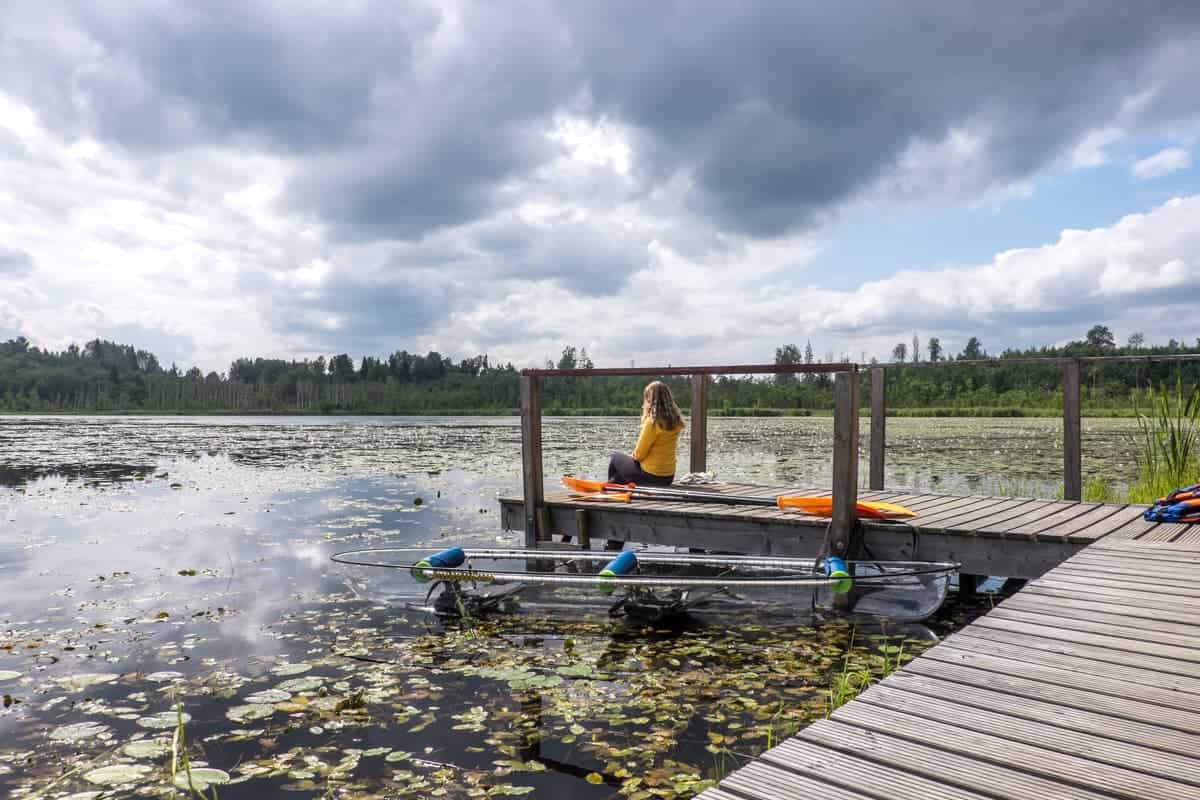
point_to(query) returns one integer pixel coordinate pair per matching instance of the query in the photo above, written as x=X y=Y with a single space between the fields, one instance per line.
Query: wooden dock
x=1086 y=684
x=1006 y=536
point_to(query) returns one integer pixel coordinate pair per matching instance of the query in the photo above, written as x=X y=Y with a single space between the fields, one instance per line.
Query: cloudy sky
x=660 y=182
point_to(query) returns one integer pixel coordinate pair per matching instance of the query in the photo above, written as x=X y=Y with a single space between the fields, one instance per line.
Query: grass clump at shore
x=1168 y=440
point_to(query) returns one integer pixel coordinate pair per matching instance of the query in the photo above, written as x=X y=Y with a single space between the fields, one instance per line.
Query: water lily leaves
x=201 y=778
x=271 y=696
x=78 y=732
x=164 y=677
x=116 y=775
x=164 y=720
x=471 y=720
x=296 y=685
x=77 y=683
x=514 y=765
x=508 y=790
x=522 y=679
x=594 y=778
x=8 y=675
x=291 y=669
x=252 y=711
x=146 y=748
x=398 y=755
x=582 y=671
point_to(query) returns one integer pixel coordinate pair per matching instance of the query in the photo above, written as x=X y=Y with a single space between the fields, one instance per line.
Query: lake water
x=156 y=564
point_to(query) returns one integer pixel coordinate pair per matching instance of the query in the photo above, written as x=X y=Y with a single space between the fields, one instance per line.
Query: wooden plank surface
x=1086 y=684
x=815 y=760
x=1072 y=768
x=1058 y=687
x=947 y=766
x=985 y=655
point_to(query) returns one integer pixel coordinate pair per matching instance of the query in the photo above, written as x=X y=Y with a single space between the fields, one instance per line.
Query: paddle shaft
x=691 y=497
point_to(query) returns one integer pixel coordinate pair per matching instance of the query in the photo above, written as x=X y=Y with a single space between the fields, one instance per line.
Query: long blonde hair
x=658 y=405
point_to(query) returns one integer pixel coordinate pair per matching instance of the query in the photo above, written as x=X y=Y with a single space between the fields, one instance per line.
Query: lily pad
x=251 y=711
x=77 y=683
x=78 y=732
x=163 y=721
x=201 y=778
x=291 y=669
x=146 y=748
x=8 y=675
x=271 y=696
x=116 y=775
x=163 y=677
x=301 y=685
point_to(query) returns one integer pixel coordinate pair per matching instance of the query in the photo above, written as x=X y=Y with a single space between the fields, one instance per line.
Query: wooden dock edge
x=1081 y=685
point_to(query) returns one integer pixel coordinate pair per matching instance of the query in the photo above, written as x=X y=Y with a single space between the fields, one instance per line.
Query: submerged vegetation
x=104 y=376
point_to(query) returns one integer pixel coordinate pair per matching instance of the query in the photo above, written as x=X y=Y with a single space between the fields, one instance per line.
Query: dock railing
x=1072 y=440
x=845 y=433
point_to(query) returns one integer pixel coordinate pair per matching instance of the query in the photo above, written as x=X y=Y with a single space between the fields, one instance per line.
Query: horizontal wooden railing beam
x=1049 y=361
x=734 y=369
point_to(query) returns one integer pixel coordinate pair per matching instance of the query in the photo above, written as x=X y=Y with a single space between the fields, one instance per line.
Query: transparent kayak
x=662 y=584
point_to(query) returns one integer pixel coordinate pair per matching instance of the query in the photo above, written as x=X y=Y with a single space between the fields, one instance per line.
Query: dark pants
x=623 y=469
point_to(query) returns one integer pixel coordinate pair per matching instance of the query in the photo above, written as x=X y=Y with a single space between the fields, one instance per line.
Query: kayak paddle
x=817 y=506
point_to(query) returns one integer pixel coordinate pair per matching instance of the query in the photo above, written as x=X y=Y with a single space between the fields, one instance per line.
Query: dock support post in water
x=699 y=420
x=878 y=425
x=531 y=454
x=1072 y=445
x=845 y=461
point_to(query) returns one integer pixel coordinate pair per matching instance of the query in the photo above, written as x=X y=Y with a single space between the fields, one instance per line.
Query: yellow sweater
x=655 y=449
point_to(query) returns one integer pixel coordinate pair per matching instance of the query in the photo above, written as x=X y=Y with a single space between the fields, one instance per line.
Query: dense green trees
x=105 y=376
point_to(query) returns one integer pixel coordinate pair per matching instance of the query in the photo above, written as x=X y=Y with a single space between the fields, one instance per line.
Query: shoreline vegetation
x=107 y=377
x=112 y=379
x=967 y=413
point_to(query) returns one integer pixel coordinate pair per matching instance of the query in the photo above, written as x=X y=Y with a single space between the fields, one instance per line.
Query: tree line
x=106 y=376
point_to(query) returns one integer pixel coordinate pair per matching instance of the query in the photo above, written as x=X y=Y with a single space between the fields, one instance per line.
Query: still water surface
x=152 y=561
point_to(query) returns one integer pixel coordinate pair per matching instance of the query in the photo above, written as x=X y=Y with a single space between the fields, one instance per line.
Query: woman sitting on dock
x=652 y=462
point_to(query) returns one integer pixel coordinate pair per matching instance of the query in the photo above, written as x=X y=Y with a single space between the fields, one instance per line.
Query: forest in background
x=105 y=376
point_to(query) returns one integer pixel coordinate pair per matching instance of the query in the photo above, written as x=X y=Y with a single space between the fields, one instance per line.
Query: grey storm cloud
x=421 y=128
x=352 y=312
x=15 y=263
x=405 y=118
x=578 y=255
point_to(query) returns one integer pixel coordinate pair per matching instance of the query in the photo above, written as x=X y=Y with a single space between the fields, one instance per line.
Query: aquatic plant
x=856 y=678
x=182 y=774
x=1168 y=442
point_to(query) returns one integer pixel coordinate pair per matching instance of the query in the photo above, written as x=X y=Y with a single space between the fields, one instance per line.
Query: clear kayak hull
x=662 y=584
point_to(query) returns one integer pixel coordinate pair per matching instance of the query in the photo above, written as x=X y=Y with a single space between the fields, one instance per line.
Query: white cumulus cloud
x=1162 y=163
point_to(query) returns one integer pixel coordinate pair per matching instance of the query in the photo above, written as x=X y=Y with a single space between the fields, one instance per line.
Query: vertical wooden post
x=583 y=536
x=845 y=461
x=878 y=425
x=531 y=454
x=699 y=461
x=1072 y=443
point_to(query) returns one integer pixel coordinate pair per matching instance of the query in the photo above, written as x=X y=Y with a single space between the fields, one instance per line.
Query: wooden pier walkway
x=1085 y=684
x=1008 y=536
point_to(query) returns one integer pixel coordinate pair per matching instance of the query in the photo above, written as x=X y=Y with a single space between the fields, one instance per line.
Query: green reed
x=1167 y=442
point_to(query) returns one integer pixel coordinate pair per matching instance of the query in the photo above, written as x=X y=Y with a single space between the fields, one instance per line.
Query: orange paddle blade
x=817 y=506
x=823 y=507
x=580 y=485
x=604 y=497
x=885 y=510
